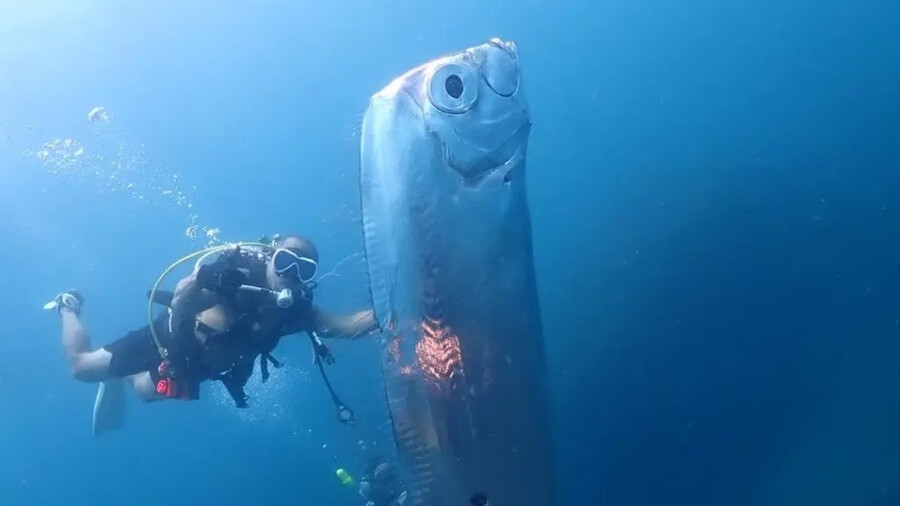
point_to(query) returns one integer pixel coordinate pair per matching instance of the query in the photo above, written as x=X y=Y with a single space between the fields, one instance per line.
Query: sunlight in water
x=116 y=163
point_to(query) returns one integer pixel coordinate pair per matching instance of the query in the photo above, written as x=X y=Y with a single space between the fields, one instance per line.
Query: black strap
x=205 y=329
x=264 y=359
x=235 y=379
x=264 y=368
x=235 y=390
x=344 y=414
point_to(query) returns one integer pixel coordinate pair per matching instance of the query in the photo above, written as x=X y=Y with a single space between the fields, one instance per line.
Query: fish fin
x=390 y=126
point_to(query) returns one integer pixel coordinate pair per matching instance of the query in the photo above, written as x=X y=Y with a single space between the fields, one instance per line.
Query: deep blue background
x=714 y=189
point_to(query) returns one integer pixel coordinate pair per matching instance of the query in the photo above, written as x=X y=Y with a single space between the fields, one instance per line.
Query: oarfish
x=450 y=266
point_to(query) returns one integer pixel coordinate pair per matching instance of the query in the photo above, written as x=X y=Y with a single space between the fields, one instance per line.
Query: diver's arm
x=353 y=326
x=190 y=299
x=321 y=324
x=201 y=290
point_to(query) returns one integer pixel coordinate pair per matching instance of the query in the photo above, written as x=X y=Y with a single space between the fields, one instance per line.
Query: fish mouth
x=496 y=164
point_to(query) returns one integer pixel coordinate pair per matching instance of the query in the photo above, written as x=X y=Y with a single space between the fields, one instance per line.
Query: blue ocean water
x=714 y=194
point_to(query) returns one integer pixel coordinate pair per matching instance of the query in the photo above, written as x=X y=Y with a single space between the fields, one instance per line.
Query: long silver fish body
x=451 y=272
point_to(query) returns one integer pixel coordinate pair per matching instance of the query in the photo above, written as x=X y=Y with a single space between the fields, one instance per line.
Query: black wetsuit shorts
x=136 y=352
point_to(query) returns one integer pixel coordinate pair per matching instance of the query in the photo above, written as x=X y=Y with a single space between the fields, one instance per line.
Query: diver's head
x=293 y=263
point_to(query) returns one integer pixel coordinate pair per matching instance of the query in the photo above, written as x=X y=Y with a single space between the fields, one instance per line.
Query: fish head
x=472 y=103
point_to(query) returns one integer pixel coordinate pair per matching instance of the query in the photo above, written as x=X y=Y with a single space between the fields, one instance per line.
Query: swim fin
x=110 y=408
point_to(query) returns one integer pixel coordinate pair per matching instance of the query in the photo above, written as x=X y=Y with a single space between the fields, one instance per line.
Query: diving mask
x=292 y=264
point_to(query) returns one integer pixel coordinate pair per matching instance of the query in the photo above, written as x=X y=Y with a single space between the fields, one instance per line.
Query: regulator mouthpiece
x=284 y=298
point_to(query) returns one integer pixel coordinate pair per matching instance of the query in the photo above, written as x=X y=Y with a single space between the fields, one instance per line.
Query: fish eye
x=453 y=88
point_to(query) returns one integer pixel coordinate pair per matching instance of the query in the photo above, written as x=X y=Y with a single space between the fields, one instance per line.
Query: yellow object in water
x=345 y=478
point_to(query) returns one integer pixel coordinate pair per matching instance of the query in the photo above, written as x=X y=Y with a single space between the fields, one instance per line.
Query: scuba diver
x=381 y=485
x=219 y=319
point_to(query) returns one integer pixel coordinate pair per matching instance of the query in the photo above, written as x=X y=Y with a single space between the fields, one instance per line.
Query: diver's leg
x=86 y=365
x=110 y=408
x=145 y=387
x=128 y=357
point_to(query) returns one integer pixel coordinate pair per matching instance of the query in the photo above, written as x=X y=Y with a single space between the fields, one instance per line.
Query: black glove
x=220 y=280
